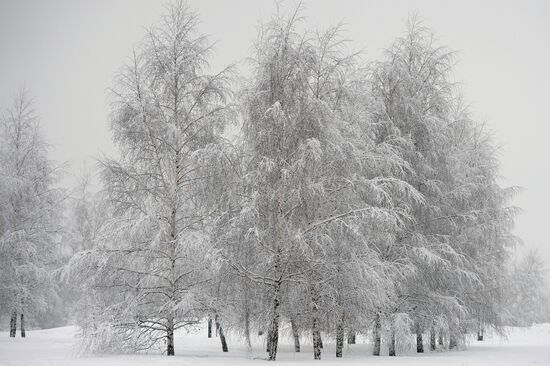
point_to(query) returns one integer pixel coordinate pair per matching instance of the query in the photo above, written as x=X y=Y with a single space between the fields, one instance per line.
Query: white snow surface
x=522 y=346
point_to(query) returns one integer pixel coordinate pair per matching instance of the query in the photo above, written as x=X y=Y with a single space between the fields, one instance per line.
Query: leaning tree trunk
x=170 y=336
x=273 y=334
x=419 y=341
x=432 y=338
x=376 y=335
x=220 y=332
x=351 y=337
x=209 y=326
x=296 y=335
x=22 y=326
x=340 y=335
x=316 y=333
x=13 y=324
x=391 y=346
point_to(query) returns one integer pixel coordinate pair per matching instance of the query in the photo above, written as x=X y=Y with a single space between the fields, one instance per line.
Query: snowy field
x=55 y=347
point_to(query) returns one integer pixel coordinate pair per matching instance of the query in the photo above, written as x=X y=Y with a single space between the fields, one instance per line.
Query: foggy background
x=66 y=53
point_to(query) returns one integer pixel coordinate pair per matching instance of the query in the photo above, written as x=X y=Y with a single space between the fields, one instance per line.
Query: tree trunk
x=391 y=346
x=432 y=338
x=209 y=326
x=273 y=334
x=22 y=326
x=480 y=332
x=419 y=341
x=13 y=324
x=296 y=336
x=351 y=337
x=452 y=340
x=440 y=338
x=220 y=332
x=316 y=339
x=376 y=335
x=172 y=248
x=170 y=337
x=316 y=333
x=339 y=335
x=268 y=340
x=247 y=328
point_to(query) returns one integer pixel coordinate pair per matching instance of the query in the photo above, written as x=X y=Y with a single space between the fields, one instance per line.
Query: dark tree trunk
x=419 y=341
x=296 y=336
x=351 y=337
x=316 y=333
x=268 y=340
x=452 y=340
x=220 y=332
x=13 y=324
x=209 y=326
x=432 y=338
x=480 y=332
x=339 y=335
x=391 y=346
x=22 y=326
x=316 y=339
x=440 y=338
x=170 y=337
x=273 y=334
x=376 y=335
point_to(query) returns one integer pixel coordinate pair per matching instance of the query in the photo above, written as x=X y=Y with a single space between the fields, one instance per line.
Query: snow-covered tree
x=359 y=199
x=526 y=294
x=309 y=191
x=86 y=213
x=29 y=218
x=168 y=114
x=461 y=231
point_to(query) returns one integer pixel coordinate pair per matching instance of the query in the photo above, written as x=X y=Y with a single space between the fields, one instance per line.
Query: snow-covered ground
x=55 y=347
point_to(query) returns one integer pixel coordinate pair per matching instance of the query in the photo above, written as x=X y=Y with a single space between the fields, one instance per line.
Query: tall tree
x=308 y=190
x=29 y=216
x=464 y=220
x=168 y=115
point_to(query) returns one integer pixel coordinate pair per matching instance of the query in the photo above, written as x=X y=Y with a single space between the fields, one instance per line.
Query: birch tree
x=452 y=165
x=168 y=114
x=353 y=198
x=415 y=92
x=305 y=186
x=29 y=216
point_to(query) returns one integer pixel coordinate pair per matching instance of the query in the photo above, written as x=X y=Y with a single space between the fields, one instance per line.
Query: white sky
x=66 y=52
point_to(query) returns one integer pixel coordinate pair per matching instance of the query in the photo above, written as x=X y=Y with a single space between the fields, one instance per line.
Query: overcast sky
x=66 y=52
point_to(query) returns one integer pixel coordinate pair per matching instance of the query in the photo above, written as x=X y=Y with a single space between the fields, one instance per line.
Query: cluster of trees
x=319 y=195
